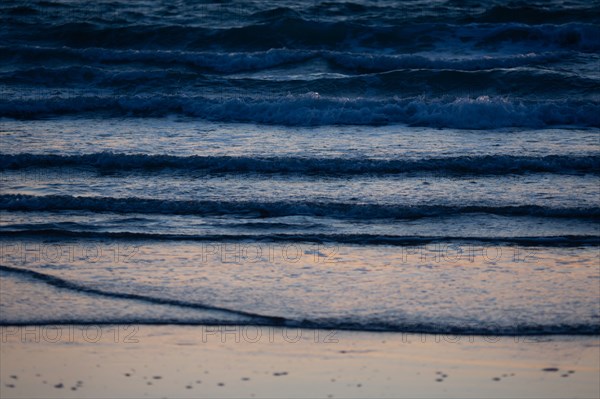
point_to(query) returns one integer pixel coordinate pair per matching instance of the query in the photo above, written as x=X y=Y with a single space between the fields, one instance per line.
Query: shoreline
x=246 y=361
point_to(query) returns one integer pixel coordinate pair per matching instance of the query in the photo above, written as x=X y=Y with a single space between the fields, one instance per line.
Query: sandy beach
x=230 y=362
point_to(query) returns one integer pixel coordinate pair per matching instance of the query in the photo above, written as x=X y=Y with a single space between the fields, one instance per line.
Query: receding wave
x=475 y=165
x=401 y=325
x=70 y=285
x=22 y=202
x=359 y=239
x=312 y=109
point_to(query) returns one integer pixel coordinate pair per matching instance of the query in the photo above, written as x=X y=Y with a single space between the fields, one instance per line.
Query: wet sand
x=186 y=361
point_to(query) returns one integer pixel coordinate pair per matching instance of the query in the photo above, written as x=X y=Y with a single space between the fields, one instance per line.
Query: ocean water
x=416 y=166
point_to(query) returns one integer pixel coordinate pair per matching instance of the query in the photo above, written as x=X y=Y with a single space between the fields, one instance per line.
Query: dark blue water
x=437 y=63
